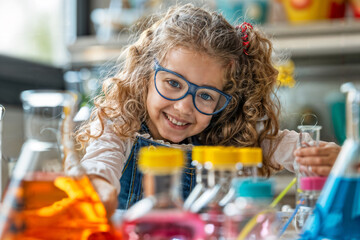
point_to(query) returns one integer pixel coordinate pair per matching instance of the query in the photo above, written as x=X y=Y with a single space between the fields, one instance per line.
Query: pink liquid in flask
x=165 y=225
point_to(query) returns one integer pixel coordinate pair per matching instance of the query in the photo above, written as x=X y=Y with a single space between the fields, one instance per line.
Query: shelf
x=88 y=51
x=320 y=39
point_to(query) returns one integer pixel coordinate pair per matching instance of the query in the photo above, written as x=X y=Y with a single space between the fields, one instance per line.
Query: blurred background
x=69 y=44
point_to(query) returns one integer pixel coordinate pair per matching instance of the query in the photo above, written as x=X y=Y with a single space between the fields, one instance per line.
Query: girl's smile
x=175 y=121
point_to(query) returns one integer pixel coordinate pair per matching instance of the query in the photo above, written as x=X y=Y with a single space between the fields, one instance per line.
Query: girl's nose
x=185 y=105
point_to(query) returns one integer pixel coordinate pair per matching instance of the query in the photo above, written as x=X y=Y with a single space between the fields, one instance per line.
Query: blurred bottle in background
x=253 y=11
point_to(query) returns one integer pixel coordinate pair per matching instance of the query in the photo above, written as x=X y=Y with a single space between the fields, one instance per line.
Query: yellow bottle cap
x=250 y=156
x=198 y=153
x=161 y=159
x=223 y=158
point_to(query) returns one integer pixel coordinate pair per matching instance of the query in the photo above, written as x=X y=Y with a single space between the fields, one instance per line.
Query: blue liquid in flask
x=337 y=212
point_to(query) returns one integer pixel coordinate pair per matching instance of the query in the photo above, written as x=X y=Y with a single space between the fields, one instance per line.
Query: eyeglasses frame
x=191 y=90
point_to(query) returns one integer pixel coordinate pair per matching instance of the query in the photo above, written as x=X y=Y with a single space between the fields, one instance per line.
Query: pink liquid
x=163 y=225
x=214 y=219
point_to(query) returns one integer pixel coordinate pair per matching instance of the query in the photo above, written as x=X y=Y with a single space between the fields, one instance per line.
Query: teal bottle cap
x=254 y=188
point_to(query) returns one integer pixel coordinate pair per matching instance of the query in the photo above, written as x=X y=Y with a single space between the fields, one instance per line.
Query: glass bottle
x=48 y=197
x=160 y=215
x=221 y=164
x=310 y=191
x=198 y=157
x=249 y=216
x=337 y=211
x=248 y=161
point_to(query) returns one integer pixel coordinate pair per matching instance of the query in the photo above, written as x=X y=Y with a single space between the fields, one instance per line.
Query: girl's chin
x=172 y=140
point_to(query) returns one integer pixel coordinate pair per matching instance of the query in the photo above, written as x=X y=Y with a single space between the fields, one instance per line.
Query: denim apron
x=131 y=179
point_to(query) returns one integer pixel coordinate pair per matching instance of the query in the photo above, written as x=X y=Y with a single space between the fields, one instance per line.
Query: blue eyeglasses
x=172 y=86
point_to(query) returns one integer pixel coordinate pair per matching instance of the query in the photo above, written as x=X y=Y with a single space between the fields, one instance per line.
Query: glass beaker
x=309 y=135
x=44 y=200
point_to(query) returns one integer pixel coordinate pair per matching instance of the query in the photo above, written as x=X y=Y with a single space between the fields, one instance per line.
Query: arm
x=321 y=158
x=286 y=145
x=103 y=162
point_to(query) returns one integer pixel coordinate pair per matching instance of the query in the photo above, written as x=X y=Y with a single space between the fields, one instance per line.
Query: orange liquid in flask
x=53 y=207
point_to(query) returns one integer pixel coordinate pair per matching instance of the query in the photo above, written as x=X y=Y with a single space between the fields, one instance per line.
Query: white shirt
x=106 y=155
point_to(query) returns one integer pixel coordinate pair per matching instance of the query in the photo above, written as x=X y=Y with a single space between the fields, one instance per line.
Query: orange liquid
x=53 y=207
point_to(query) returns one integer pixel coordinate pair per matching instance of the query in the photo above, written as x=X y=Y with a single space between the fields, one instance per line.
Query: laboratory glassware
x=198 y=160
x=160 y=215
x=248 y=161
x=221 y=164
x=309 y=135
x=4 y=167
x=250 y=215
x=337 y=211
x=311 y=188
x=49 y=196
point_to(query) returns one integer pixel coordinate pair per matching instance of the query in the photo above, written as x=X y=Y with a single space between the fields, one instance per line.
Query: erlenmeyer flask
x=337 y=211
x=47 y=199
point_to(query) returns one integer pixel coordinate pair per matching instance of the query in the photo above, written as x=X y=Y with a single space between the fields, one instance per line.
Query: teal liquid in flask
x=337 y=211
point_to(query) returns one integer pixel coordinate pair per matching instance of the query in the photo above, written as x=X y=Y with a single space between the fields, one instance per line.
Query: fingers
x=316 y=170
x=316 y=161
x=325 y=154
x=324 y=148
x=315 y=151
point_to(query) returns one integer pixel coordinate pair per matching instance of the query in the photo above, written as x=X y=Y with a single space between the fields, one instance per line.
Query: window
x=34 y=30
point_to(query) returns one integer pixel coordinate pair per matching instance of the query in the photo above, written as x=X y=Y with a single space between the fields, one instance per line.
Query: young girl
x=190 y=79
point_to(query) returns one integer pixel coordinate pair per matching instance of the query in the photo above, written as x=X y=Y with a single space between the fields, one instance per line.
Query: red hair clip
x=244 y=26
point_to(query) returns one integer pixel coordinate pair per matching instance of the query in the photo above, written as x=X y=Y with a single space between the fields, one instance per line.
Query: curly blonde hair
x=250 y=78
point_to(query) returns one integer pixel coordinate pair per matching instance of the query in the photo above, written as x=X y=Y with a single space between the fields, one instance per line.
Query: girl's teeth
x=174 y=121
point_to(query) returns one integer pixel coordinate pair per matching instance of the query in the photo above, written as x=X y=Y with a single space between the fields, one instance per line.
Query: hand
x=106 y=192
x=319 y=159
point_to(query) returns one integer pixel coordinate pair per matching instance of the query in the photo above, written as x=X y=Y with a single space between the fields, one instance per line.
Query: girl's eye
x=205 y=97
x=174 y=83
